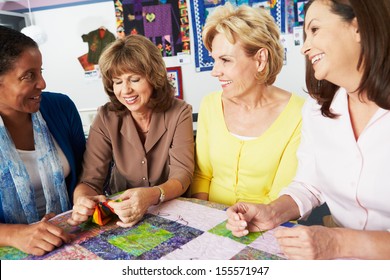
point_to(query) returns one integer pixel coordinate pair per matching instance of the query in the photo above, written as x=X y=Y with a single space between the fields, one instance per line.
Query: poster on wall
x=165 y=23
x=200 y=9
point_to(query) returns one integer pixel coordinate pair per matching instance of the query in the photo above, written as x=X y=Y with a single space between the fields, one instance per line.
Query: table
x=180 y=229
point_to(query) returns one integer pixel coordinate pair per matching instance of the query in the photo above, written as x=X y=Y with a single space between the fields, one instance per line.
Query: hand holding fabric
x=246 y=217
x=135 y=202
x=84 y=208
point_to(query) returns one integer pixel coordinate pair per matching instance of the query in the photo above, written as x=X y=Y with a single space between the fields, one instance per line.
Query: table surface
x=180 y=229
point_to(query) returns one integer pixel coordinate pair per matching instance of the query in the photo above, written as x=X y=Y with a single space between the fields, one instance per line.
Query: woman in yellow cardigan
x=248 y=134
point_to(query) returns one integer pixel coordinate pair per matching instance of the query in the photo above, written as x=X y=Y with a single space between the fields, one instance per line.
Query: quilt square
x=141 y=239
x=11 y=253
x=221 y=230
x=180 y=212
x=67 y=252
x=152 y=238
x=207 y=246
x=268 y=243
x=249 y=253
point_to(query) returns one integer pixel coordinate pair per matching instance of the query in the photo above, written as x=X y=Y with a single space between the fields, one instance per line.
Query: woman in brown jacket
x=144 y=130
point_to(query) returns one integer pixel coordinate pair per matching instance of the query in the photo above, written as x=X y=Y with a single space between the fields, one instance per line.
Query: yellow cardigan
x=232 y=170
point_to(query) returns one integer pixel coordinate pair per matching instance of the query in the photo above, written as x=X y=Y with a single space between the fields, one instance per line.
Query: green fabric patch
x=221 y=230
x=11 y=253
x=141 y=239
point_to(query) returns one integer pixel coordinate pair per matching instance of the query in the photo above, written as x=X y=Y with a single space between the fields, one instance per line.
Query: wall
x=64 y=26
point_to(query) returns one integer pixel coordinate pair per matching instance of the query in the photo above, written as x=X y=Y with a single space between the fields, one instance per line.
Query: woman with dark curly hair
x=41 y=148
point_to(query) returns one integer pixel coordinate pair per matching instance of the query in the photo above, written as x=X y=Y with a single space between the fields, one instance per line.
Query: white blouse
x=352 y=177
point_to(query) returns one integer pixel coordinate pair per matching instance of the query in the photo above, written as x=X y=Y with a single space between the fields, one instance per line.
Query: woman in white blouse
x=344 y=153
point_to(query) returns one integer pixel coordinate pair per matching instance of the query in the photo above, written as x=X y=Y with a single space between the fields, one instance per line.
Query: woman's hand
x=308 y=242
x=84 y=208
x=38 y=238
x=135 y=202
x=246 y=217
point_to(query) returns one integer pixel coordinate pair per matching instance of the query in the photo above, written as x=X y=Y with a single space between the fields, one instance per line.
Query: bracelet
x=162 y=195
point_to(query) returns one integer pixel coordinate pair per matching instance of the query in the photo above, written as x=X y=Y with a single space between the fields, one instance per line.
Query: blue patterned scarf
x=16 y=191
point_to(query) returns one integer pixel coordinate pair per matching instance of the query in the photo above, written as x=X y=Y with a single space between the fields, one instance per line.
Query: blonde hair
x=254 y=28
x=136 y=54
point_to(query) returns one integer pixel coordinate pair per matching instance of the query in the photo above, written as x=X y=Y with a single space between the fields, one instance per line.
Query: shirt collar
x=339 y=105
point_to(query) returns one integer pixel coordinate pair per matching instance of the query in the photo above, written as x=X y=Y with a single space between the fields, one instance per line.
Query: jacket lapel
x=129 y=132
x=156 y=130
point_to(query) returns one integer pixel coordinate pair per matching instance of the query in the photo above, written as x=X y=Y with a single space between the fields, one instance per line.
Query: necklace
x=142 y=125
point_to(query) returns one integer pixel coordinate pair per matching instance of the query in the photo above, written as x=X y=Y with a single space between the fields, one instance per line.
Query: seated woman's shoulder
x=178 y=104
x=55 y=96
x=299 y=100
x=53 y=100
x=108 y=111
x=285 y=97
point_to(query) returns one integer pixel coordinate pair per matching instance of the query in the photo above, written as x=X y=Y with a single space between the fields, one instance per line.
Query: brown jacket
x=168 y=151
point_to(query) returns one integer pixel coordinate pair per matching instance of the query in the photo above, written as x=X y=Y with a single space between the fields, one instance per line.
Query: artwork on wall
x=97 y=40
x=165 y=23
x=299 y=7
x=299 y=16
x=175 y=78
x=87 y=66
x=91 y=71
x=290 y=16
x=200 y=9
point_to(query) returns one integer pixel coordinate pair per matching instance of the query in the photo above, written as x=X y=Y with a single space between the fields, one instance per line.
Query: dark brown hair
x=12 y=44
x=373 y=19
x=138 y=55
